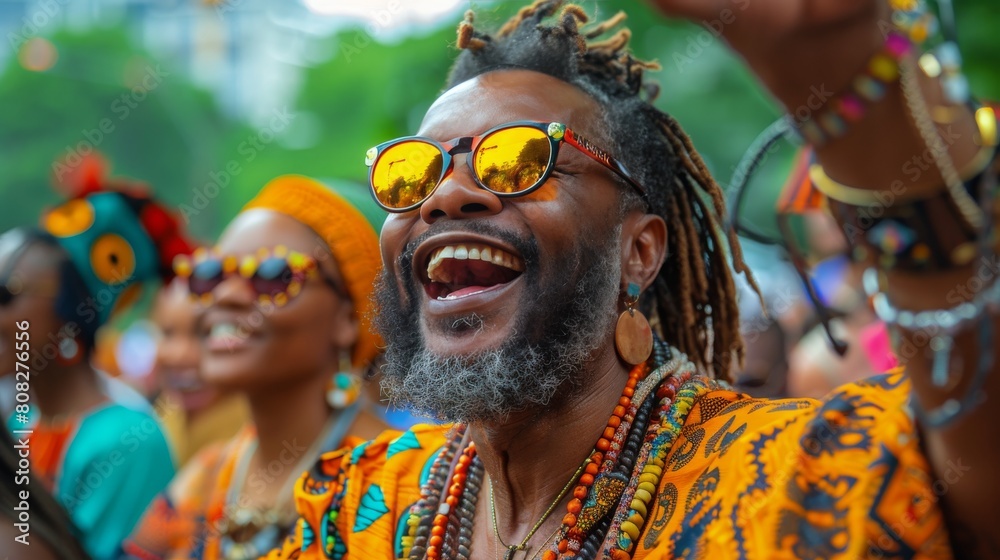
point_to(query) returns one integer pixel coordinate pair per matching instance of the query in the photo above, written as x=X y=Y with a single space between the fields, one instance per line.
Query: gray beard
x=561 y=325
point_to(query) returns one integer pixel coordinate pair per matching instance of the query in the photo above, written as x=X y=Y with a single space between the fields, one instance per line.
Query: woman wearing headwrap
x=194 y=414
x=103 y=460
x=286 y=295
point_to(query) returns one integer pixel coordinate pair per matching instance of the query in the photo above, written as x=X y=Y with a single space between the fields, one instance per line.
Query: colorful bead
x=812 y=133
x=897 y=45
x=850 y=107
x=891 y=237
x=883 y=67
x=869 y=88
x=832 y=124
x=456 y=488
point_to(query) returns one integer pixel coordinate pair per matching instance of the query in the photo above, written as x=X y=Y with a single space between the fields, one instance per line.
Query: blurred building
x=249 y=53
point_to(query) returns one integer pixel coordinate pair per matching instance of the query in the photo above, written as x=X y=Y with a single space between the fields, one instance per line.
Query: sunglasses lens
x=205 y=277
x=272 y=277
x=405 y=173
x=512 y=160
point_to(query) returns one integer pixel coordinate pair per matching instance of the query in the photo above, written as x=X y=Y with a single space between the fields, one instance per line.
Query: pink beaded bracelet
x=831 y=121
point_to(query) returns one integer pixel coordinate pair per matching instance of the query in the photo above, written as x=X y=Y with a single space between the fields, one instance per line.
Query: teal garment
x=116 y=463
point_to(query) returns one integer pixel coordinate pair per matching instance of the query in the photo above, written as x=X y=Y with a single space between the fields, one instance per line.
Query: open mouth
x=462 y=270
x=227 y=335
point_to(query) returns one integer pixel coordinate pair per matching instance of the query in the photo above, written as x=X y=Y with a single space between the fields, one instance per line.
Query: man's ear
x=644 y=248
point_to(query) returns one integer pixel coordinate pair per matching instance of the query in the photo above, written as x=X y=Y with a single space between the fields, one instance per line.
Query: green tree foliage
x=102 y=93
x=365 y=93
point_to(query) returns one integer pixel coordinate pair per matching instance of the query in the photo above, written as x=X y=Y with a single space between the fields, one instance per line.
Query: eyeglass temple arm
x=605 y=159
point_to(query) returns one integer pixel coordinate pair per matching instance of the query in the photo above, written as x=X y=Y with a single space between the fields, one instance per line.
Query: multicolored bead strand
x=579 y=519
x=612 y=498
x=633 y=510
x=467 y=509
x=421 y=514
x=635 y=456
x=868 y=87
x=456 y=487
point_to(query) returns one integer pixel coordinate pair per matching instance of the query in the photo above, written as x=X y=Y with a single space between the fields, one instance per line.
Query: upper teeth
x=479 y=252
x=223 y=329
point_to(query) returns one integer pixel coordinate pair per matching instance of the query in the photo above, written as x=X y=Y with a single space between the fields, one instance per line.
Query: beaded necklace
x=611 y=498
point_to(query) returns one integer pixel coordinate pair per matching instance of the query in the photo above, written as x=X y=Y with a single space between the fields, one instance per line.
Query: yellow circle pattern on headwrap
x=350 y=237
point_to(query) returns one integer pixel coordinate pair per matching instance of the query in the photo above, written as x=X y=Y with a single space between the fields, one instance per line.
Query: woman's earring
x=69 y=351
x=344 y=388
x=633 y=337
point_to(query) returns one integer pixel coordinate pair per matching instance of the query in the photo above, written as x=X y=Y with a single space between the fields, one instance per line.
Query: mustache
x=527 y=247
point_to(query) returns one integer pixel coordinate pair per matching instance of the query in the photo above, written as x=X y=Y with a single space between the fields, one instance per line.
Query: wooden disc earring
x=633 y=337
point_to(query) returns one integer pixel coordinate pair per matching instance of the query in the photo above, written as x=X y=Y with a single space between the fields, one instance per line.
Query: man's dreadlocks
x=693 y=296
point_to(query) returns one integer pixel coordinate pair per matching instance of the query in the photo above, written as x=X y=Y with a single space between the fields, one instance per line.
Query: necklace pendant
x=511 y=550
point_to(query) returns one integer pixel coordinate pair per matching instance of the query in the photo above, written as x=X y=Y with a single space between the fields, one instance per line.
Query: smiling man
x=546 y=209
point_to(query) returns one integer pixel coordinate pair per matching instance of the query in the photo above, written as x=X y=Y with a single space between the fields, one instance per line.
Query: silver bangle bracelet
x=948 y=322
x=947 y=319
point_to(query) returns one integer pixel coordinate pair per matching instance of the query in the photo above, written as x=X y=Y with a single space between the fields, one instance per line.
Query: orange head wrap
x=349 y=235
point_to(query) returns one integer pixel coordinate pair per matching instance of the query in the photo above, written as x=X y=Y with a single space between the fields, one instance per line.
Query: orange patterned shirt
x=841 y=478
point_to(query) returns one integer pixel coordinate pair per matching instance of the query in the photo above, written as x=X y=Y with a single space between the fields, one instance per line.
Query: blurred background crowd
x=207 y=102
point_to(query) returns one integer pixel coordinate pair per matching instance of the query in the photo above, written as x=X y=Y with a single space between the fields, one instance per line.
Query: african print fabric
x=841 y=478
x=189 y=519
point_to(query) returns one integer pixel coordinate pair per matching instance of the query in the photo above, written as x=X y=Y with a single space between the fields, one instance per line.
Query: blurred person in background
x=814 y=366
x=38 y=527
x=770 y=322
x=194 y=413
x=103 y=459
x=286 y=294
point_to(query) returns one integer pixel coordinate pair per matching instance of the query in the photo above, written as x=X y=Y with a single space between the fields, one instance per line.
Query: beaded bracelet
x=868 y=87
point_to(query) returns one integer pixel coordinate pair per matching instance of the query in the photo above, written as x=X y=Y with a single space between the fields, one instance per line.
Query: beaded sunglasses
x=275 y=274
x=509 y=160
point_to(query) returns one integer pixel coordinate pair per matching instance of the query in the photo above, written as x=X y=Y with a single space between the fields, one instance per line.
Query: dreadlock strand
x=613 y=44
x=599 y=29
x=727 y=325
x=694 y=239
x=679 y=233
x=740 y=266
x=572 y=16
x=465 y=31
x=718 y=201
x=576 y=12
x=547 y=7
x=704 y=176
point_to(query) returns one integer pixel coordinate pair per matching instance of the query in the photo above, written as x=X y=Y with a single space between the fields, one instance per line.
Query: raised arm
x=911 y=161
